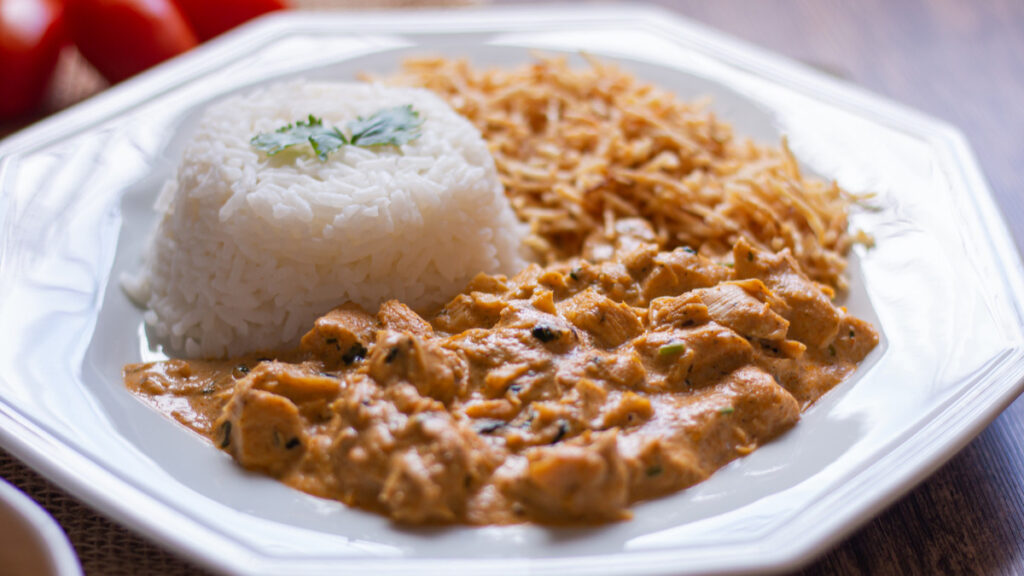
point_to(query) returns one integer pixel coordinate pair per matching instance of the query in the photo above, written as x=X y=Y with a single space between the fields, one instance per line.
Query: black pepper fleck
x=357 y=352
x=226 y=431
x=563 y=429
x=544 y=333
x=488 y=425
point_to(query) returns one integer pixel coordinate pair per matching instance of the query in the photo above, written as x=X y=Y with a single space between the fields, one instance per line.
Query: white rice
x=250 y=250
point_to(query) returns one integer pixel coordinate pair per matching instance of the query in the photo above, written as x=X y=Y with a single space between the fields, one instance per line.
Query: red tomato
x=212 y=17
x=31 y=37
x=124 y=37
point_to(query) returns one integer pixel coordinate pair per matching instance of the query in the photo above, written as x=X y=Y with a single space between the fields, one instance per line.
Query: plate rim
x=37 y=448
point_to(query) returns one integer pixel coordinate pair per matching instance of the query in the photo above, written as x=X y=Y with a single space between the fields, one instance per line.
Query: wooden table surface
x=959 y=60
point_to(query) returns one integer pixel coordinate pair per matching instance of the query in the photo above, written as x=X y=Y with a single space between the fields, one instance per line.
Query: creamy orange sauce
x=563 y=394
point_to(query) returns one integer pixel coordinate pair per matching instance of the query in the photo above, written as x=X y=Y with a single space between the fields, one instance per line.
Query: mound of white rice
x=250 y=249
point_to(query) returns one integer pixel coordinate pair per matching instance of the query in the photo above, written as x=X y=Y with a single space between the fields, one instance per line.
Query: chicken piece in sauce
x=561 y=395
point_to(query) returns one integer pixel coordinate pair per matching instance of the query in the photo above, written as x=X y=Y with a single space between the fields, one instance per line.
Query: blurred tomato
x=31 y=37
x=212 y=17
x=124 y=37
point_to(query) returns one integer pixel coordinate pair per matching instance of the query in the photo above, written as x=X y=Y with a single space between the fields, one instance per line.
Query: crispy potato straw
x=578 y=149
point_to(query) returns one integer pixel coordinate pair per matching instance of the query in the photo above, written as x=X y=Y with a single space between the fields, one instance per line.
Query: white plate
x=944 y=286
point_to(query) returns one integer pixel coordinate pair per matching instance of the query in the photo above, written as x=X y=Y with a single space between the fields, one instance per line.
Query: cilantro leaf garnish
x=387 y=127
x=323 y=140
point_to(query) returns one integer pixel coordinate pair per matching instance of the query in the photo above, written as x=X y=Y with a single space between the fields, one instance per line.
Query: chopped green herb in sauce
x=726 y=410
x=671 y=349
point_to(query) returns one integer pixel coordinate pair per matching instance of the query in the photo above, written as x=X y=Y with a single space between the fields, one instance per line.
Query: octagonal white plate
x=944 y=285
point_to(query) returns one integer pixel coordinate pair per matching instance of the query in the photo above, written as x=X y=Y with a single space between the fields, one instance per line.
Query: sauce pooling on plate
x=562 y=394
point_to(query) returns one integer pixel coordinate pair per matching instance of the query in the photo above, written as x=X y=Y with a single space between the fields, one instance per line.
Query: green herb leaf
x=672 y=348
x=388 y=127
x=324 y=140
x=726 y=410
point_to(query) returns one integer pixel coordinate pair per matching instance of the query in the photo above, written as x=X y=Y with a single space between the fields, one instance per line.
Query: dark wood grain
x=962 y=61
